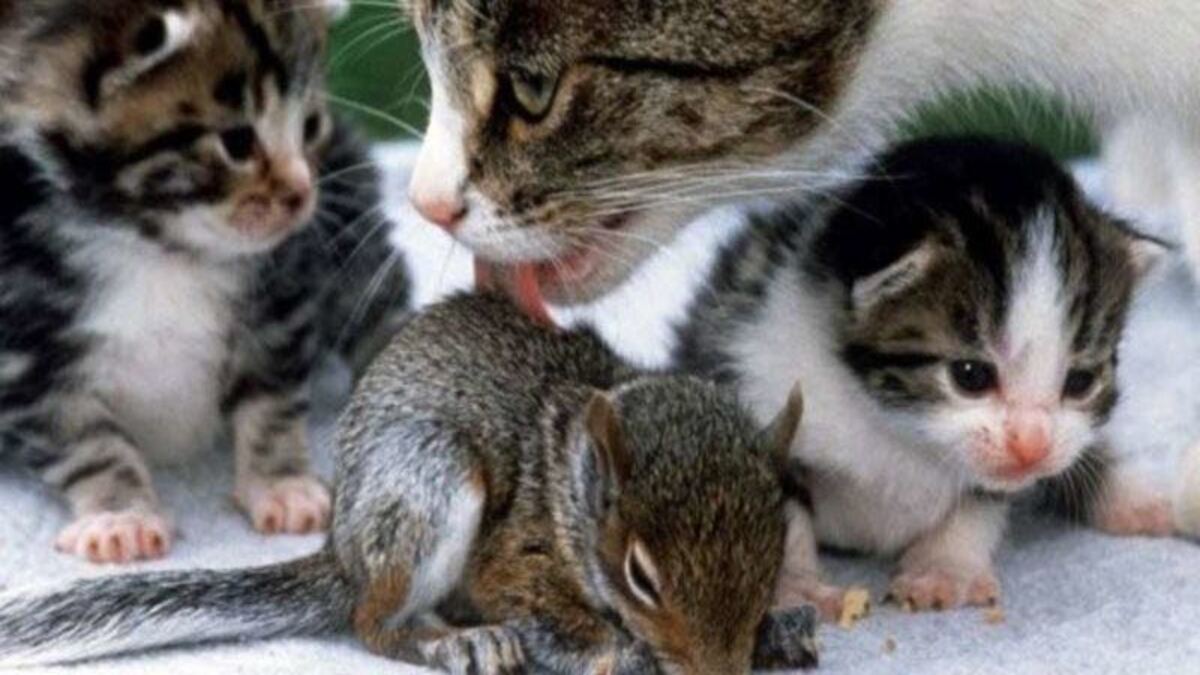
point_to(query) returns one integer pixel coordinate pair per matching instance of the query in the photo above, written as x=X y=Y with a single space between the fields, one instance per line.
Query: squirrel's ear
x=603 y=424
x=782 y=432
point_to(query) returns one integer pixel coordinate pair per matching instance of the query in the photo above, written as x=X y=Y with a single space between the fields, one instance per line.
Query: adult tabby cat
x=159 y=162
x=568 y=139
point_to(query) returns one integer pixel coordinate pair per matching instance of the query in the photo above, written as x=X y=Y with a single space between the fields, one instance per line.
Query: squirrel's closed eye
x=533 y=93
x=642 y=576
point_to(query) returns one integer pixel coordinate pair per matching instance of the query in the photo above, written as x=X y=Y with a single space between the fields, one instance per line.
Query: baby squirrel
x=508 y=500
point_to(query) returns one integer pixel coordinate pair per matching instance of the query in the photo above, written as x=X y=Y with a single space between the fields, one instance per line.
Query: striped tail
x=102 y=617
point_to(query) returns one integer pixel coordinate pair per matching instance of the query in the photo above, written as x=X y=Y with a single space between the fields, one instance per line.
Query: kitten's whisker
x=375 y=113
x=363 y=305
x=360 y=166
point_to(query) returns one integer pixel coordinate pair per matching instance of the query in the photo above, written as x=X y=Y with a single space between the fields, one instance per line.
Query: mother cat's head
x=567 y=138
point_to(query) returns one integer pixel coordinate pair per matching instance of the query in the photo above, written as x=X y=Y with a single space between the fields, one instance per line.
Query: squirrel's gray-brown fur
x=577 y=515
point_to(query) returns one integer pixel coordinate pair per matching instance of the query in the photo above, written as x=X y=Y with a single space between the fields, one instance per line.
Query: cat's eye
x=533 y=93
x=239 y=143
x=312 y=127
x=974 y=378
x=1079 y=384
x=642 y=577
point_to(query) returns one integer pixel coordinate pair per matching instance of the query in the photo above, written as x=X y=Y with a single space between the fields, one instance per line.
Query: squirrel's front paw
x=294 y=505
x=480 y=651
x=940 y=587
x=787 y=640
x=117 y=537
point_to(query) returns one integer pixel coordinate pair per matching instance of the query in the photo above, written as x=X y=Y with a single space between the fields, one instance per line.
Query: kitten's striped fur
x=955 y=318
x=156 y=276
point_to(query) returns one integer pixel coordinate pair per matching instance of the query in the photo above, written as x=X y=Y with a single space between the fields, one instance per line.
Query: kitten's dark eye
x=1079 y=384
x=533 y=93
x=312 y=127
x=151 y=37
x=974 y=378
x=239 y=143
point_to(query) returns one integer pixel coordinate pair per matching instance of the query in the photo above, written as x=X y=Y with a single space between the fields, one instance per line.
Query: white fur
x=874 y=490
x=440 y=573
x=882 y=479
x=1095 y=54
x=337 y=8
x=161 y=323
x=440 y=173
x=1036 y=344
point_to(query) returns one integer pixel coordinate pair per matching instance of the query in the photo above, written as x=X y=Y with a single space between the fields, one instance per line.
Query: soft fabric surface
x=1075 y=600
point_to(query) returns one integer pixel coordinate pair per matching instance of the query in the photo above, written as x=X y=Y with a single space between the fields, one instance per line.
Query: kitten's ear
x=781 y=433
x=895 y=278
x=1147 y=253
x=161 y=36
x=614 y=464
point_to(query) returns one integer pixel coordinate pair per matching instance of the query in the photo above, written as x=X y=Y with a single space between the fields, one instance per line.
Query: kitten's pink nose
x=294 y=187
x=445 y=212
x=1027 y=440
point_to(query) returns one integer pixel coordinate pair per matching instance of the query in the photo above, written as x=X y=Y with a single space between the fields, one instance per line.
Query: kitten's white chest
x=872 y=490
x=161 y=327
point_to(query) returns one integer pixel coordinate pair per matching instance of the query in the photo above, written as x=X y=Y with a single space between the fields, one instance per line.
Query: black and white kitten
x=183 y=227
x=954 y=320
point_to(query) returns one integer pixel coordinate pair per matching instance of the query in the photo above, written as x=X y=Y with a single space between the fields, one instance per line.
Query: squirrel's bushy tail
x=100 y=617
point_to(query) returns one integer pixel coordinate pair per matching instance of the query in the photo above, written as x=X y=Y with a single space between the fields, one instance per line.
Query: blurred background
x=379 y=80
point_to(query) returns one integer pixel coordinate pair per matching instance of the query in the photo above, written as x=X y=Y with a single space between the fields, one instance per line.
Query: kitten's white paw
x=1187 y=496
x=797 y=590
x=942 y=587
x=1135 y=513
x=121 y=538
x=295 y=505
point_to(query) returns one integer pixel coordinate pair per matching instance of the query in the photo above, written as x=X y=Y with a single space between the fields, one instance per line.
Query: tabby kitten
x=954 y=320
x=568 y=140
x=160 y=163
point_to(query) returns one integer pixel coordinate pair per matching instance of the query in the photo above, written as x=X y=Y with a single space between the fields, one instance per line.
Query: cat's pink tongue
x=519 y=282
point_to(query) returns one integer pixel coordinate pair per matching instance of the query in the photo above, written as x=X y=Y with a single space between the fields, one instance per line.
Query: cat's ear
x=781 y=433
x=894 y=279
x=1146 y=253
x=606 y=436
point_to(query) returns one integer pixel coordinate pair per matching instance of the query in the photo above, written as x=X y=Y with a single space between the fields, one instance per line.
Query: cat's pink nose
x=1028 y=441
x=444 y=212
